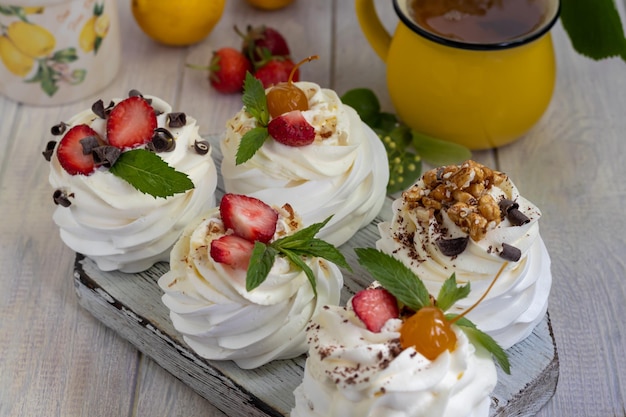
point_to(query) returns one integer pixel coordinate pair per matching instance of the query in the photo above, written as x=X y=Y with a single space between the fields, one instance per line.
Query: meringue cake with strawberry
x=245 y=278
x=127 y=178
x=297 y=142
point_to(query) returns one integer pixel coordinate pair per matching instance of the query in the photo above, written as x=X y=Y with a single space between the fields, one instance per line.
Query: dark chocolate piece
x=510 y=253
x=202 y=147
x=452 y=247
x=106 y=155
x=134 y=93
x=49 y=150
x=98 y=109
x=162 y=141
x=58 y=129
x=506 y=205
x=61 y=198
x=517 y=218
x=177 y=119
x=89 y=143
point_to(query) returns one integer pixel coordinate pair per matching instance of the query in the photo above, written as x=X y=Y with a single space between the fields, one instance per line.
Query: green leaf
x=78 y=76
x=148 y=173
x=65 y=56
x=478 y=337
x=320 y=249
x=405 y=167
x=395 y=277
x=594 y=28
x=255 y=100
x=366 y=104
x=260 y=265
x=302 y=236
x=48 y=81
x=96 y=44
x=296 y=260
x=250 y=143
x=450 y=293
x=439 y=152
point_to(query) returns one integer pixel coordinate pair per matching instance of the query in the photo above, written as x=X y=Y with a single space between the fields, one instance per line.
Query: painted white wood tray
x=130 y=304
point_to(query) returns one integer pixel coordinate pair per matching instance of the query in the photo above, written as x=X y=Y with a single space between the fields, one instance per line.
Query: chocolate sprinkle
x=106 y=155
x=61 y=198
x=98 y=109
x=452 y=247
x=49 y=150
x=89 y=143
x=162 y=141
x=58 y=129
x=517 y=218
x=202 y=147
x=510 y=253
x=133 y=93
x=177 y=119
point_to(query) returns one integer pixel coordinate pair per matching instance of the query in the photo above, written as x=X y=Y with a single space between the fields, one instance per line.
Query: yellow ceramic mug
x=481 y=95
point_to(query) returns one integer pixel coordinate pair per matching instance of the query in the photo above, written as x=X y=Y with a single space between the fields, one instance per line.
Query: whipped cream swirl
x=518 y=300
x=219 y=319
x=344 y=172
x=118 y=226
x=351 y=371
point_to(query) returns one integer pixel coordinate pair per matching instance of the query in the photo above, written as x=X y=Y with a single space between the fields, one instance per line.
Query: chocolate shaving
x=61 y=198
x=49 y=150
x=510 y=253
x=106 y=155
x=177 y=119
x=58 y=129
x=134 y=93
x=162 y=141
x=452 y=247
x=505 y=205
x=517 y=218
x=202 y=147
x=89 y=143
x=98 y=109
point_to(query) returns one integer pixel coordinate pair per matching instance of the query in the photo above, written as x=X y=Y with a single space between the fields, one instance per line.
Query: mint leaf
x=395 y=277
x=295 y=259
x=250 y=143
x=260 y=265
x=302 y=236
x=366 y=104
x=148 y=173
x=439 y=152
x=450 y=293
x=255 y=100
x=319 y=249
x=478 y=337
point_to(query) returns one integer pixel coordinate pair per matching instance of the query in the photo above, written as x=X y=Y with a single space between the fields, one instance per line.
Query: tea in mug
x=478 y=21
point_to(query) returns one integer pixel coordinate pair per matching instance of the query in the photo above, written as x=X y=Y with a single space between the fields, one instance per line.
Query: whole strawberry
x=227 y=70
x=262 y=42
x=275 y=71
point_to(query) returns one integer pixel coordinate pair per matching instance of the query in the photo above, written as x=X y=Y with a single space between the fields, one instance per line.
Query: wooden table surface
x=57 y=360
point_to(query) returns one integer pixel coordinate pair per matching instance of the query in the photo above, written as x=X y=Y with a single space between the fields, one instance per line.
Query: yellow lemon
x=177 y=23
x=34 y=40
x=15 y=60
x=87 y=36
x=102 y=24
x=270 y=4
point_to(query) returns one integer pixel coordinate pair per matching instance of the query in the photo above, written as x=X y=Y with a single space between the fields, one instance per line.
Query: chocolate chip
x=202 y=147
x=162 y=141
x=49 y=150
x=178 y=119
x=452 y=247
x=98 y=109
x=510 y=253
x=58 y=129
x=517 y=218
x=61 y=198
x=89 y=143
x=106 y=155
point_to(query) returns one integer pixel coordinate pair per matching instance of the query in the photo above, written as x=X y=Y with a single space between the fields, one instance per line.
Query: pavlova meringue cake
x=216 y=299
x=320 y=157
x=374 y=358
x=470 y=220
x=128 y=177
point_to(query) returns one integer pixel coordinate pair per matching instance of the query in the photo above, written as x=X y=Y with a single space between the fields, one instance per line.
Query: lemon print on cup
x=35 y=41
x=94 y=30
x=16 y=61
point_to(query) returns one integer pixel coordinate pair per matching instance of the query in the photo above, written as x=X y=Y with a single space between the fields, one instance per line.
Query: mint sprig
x=293 y=247
x=150 y=174
x=255 y=103
x=409 y=289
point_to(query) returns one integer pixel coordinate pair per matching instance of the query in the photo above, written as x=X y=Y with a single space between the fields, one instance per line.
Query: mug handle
x=372 y=27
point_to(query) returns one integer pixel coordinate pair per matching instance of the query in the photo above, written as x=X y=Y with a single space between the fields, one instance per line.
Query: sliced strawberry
x=374 y=306
x=232 y=250
x=248 y=217
x=291 y=129
x=275 y=71
x=70 y=151
x=131 y=123
x=228 y=69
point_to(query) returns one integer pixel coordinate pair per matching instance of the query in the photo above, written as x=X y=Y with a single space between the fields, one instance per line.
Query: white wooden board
x=130 y=304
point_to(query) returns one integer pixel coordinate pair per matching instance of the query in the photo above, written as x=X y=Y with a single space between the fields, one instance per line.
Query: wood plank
x=131 y=305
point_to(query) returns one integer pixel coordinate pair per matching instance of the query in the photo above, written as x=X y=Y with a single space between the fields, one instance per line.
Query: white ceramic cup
x=57 y=51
